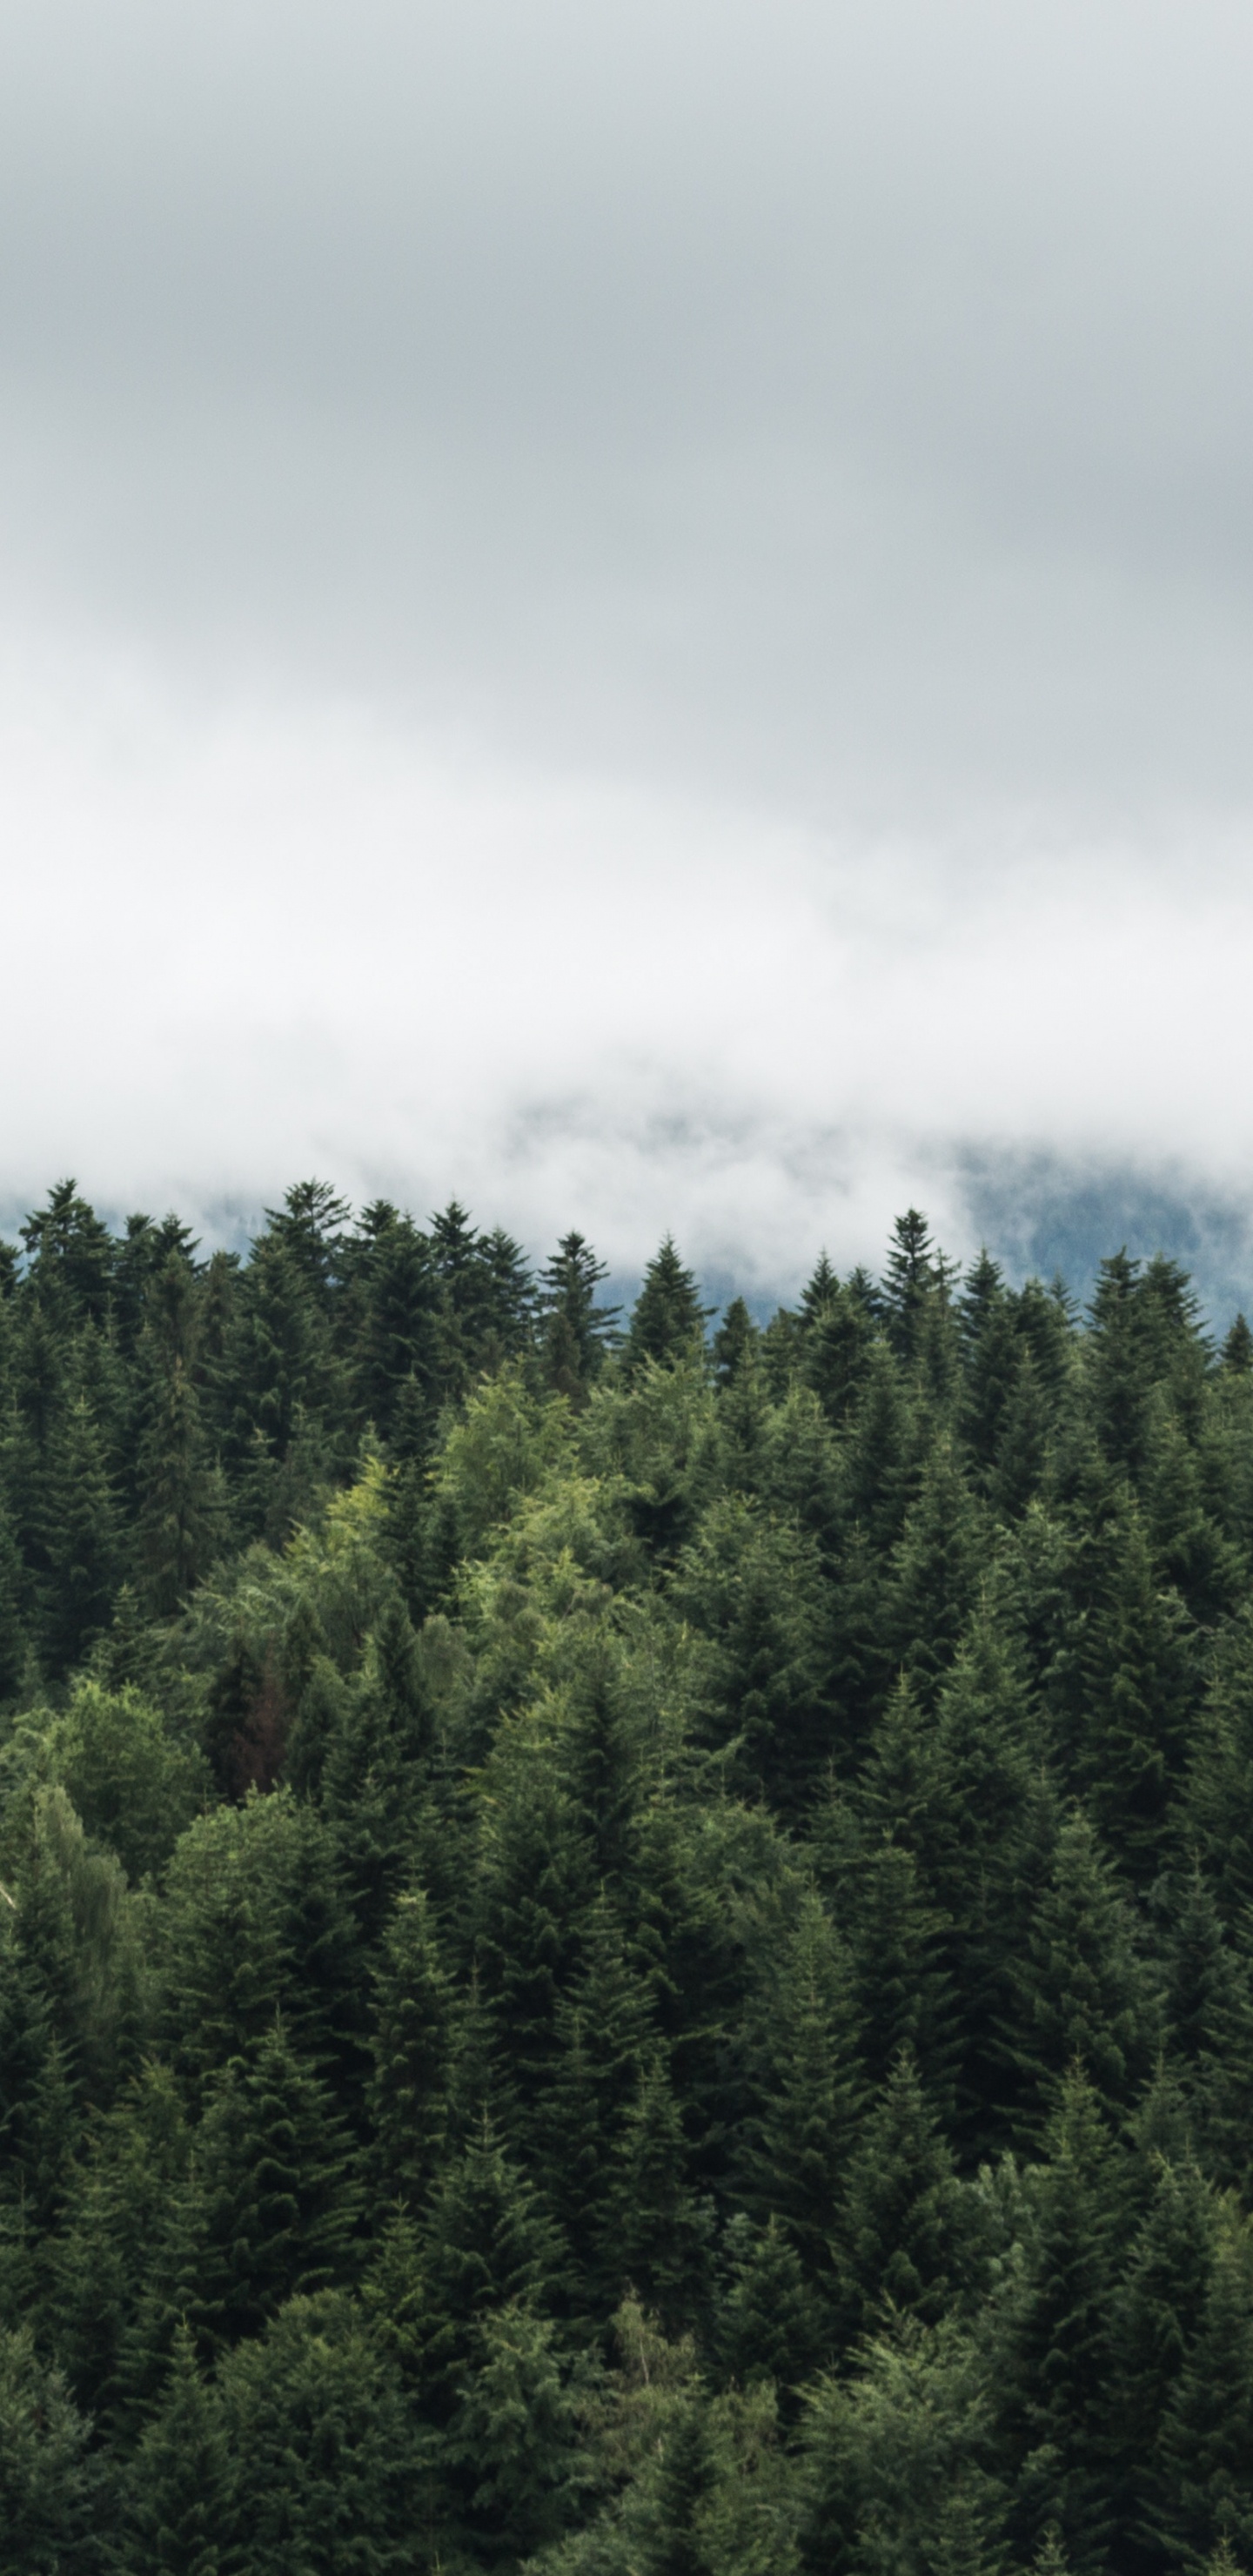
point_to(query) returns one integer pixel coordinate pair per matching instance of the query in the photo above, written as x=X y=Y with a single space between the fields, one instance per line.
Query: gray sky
x=642 y=612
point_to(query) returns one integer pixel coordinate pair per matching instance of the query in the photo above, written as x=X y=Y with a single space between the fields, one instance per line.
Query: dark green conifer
x=1128 y=1725
x=808 y=2082
x=1238 y=1348
x=662 y=2232
x=177 y=2492
x=272 y=2204
x=79 y=1533
x=901 y=2223
x=1207 y=2431
x=734 y=1344
x=667 y=1319
x=1158 y=2314
x=413 y=2045
x=575 y=1332
x=1060 y=2371
x=772 y=2324
x=1083 y=1992
x=329 y=2472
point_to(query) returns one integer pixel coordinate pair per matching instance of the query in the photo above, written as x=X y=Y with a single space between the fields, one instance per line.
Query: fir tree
x=413 y=2045
x=667 y=1319
x=177 y=2492
x=575 y=1331
x=273 y=2205
x=900 y=2226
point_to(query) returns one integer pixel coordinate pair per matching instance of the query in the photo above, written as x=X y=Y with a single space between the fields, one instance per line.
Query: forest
x=626 y=1938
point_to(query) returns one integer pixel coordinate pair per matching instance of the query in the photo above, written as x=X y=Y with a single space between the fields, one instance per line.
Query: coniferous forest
x=626 y=1943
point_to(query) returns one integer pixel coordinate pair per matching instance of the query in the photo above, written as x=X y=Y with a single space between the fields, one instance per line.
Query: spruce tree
x=1158 y=2313
x=176 y=2501
x=1060 y=2368
x=809 y=2086
x=667 y=1319
x=272 y=2204
x=413 y=2045
x=734 y=1344
x=1207 y=2432
x=575 y=1332
x=328 y=2470
x=1082 y=1992
x=900 y=2226
x=79 y=1536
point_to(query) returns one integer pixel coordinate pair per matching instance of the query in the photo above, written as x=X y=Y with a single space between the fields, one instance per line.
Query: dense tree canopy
x=627 y=1951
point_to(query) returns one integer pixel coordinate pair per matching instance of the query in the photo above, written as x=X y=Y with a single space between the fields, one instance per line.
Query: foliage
x=627 y=1953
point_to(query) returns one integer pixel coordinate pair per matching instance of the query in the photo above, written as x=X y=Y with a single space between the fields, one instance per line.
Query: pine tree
x=13 y=1635
x=903 y=1989
x=1061 y=2365
x=178 y=2486
x=1128 y=1734
x=394 y=1297
x=512 y=2447
x=1207 y=2432
x=808 y=2087
x=328 y=2470
x=606 y=2036
x=182 y=1511
x=575 y=1331
x=667 y=1319
x=273 y=2203
x=835 y=1353
x=1210 y=2023
x=934 y=1574
x=413 y=2046
x=900 y=2226
x=488 y=2245
x=1158 y=2314
x=1238 y=1348
x=1083 y=1994
x=735 y=1344
x=771 y=2322
x=986 y=1324
x=79 y=1536
x=661 y=2230
x=914 y=1275
x=49 y=2485
x=1022 y=1450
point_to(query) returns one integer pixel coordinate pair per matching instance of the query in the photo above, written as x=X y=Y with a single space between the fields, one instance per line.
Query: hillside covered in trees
x=624 y=1947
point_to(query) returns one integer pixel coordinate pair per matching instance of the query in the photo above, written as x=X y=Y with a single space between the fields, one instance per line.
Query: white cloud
x=257 y=938
x=645 y=614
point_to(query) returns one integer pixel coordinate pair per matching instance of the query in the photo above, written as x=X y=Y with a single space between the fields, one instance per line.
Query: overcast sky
x=641 y=612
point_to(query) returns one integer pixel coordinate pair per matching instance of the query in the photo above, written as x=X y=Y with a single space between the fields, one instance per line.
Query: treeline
x=624 y=1947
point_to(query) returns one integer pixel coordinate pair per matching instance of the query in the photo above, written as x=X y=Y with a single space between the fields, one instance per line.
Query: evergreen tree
x=413 y=2045
x=1128 y=1732
x=914 y=1274
x=1062 y=2359
x=1238 y=1348
x=272 y=2205
x=327 y=2468
x=901 y=2220
x=1083 y=1993
x=667 y=1319
x=1207 y=2430
x=488 y=2246
x=659 y=2225
x=575 y=1331
x=49 y=2485
x=79 y=1536
x=177 y=2492
x=734 y=1344
x=1158 y=2314
x=809 y=2088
